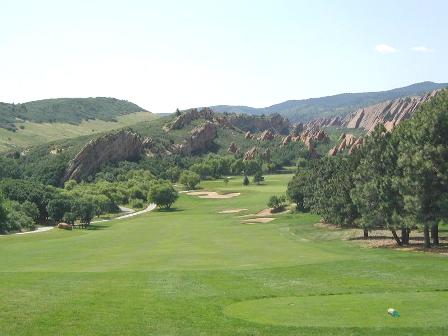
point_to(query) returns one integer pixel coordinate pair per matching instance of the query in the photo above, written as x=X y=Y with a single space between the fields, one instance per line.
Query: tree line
x=397 y=181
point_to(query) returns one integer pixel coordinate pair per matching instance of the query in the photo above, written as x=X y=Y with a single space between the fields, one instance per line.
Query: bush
x=246 y=180
x=137 y=203
x=164 y=195
x=189 y=179
x=277 y=203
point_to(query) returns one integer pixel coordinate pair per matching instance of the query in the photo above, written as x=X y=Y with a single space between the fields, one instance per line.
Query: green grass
x=192 y=271
x=35 y=133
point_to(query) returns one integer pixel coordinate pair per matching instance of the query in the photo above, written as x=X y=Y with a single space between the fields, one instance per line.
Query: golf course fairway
x=196 y=271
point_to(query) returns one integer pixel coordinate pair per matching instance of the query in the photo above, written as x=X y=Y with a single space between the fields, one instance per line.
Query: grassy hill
x=193 y=271
x=64 y=110
x=31 y=133
x=337 y=105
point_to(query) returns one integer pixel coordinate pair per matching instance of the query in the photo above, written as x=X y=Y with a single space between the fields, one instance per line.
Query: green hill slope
x=65 y=110
x=337 y=105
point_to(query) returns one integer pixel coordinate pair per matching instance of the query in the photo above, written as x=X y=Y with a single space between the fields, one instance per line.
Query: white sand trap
x=265 y=212
x=258 y=220
x=212 y=194
x=230 y=211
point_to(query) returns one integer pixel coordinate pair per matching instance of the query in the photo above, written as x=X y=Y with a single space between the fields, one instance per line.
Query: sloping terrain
x=65 y=110
x=338 y=105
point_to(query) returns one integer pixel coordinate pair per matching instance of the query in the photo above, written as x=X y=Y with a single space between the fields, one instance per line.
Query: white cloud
x=422 y=49
x=385 y=49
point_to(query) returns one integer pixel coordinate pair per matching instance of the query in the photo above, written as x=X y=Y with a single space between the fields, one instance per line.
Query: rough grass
x=183 y=272
x=38 y=133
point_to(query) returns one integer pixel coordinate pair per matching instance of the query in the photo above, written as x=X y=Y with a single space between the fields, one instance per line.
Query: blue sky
x=167 y=54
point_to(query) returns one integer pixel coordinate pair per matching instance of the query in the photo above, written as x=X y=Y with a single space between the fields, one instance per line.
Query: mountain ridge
x=342 y=104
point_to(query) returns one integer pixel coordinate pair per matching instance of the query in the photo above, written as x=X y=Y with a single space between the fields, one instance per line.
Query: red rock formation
x=251 y=154
x=333 y=151
x=296 y=129
x=266 y=136
x=356 y=145
x=112 y=147
x=324 y=122
x=188 y=116
x=201 y=137
x=286 y=140
x=232 y=148
x=389 y=113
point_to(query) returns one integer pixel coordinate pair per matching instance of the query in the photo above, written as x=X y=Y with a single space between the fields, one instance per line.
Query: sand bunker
x=212 y=194
x=265 y=212
x=230 y=211
x=258 y=220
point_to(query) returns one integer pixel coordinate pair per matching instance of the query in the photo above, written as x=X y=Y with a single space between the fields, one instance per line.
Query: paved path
x=131 y=213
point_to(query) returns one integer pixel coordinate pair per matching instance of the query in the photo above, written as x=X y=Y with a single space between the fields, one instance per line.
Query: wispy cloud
x=422 y=49
x=385 y=49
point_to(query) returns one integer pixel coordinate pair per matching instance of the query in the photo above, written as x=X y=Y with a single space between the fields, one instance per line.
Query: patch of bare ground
x=258 y=220
x=266 y=212
x=231 y=211
x=212 y=194
x=384 y=239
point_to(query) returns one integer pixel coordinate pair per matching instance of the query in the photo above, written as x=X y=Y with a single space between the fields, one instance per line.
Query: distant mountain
x=339 y=105
x=65 y=110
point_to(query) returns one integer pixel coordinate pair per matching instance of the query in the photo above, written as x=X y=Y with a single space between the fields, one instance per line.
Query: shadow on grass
x=169 y=210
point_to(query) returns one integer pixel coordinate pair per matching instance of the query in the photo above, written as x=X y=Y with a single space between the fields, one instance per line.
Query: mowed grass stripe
x=177 y=273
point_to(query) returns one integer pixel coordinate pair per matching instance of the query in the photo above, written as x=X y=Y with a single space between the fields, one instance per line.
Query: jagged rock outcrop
x=286 y=140
x=296 y=129
x=324 y=122
x=248 y=135
x=274 y=123
x=232 y=148
x=112 y=147
x=346 y=142
x=251 y=154
x=333 y=151
x=201 y=137
x=266 y=136
x=186 y=117
x=314 y=134
x=389 y=113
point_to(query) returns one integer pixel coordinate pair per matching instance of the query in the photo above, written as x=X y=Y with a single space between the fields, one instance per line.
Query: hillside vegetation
x=64 y=110
x=35 y=133
x=338 y=105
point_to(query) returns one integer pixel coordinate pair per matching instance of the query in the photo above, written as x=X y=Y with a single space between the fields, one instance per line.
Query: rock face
x=118 y=146
x=274 y=123
x=188 y=116
x=347 y=142
x=389 y=113
x=266 y=136
x=286 y=140
x=324 y=122
x=248 y=135
x=201 y=138
x=232 y=148
x=251 y=154
x=296 y=129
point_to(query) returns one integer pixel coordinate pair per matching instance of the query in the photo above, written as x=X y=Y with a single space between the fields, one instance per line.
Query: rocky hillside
x=389 y=113
x=338 y=105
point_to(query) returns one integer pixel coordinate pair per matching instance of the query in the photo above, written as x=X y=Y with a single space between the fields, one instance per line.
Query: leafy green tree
x=189 y=179
x=300 y=189
x=258 y=177
x=164 y=195
x=57 y=207
x=3 y=216
x=376 y=193
x=84 y=210
x=423 y=158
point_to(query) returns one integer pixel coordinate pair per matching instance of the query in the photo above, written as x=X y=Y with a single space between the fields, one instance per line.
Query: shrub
x=164 y=195
x=277 y=203
x=189 y=179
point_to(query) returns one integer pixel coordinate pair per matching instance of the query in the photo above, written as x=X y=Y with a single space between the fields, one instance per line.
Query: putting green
x=420 y=310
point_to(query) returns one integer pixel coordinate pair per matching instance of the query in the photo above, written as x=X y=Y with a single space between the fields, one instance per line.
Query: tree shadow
x=169 y=210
